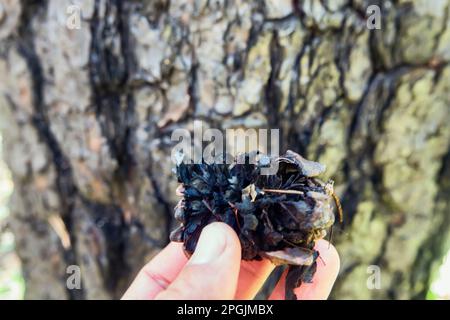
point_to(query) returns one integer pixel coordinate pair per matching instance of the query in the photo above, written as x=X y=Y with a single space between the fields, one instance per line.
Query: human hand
x=215 y=271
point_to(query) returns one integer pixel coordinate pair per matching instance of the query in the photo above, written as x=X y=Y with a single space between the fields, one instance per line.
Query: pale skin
x=215 y=271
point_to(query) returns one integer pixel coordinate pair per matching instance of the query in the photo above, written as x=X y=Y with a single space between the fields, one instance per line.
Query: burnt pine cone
x=278 y=216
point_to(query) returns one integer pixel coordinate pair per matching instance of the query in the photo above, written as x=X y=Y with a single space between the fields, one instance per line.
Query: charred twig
x=283 y=191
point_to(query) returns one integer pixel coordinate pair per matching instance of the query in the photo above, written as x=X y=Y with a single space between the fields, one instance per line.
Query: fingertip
x=328 y=265
x=329 y=257
x=217 y=241
x=223 y=227
x=231 y=237
x=213 y=269
x=180 y=190
x=252 y=277
x=158 y=273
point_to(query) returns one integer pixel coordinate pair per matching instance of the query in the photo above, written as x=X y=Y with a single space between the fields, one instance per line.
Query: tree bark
x=87 y=116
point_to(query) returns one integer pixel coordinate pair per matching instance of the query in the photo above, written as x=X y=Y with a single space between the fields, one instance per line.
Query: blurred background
x=12 y=284
x=91 y=91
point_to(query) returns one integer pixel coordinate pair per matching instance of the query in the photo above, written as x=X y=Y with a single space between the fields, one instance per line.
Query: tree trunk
x=87 y=115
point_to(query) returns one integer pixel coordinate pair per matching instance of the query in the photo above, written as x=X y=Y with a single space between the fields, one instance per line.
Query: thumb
x=213 y=269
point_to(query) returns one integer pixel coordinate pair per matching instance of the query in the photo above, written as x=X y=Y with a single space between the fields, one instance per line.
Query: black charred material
x=278 y=217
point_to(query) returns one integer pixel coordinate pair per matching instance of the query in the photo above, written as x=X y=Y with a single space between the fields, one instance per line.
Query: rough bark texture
x=87 y=115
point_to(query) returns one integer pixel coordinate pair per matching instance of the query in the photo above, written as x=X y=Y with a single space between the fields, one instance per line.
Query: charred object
x=278 y=217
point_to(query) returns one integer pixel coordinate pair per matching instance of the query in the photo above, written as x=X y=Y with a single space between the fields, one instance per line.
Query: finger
x=252 y=276
x=156 y=275
x=212 y=271
x=327 y=270
x=180 y=190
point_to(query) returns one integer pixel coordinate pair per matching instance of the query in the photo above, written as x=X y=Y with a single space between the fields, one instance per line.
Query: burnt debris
x=278 y=217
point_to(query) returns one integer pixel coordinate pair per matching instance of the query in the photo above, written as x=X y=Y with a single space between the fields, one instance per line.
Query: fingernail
x=210 y=246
